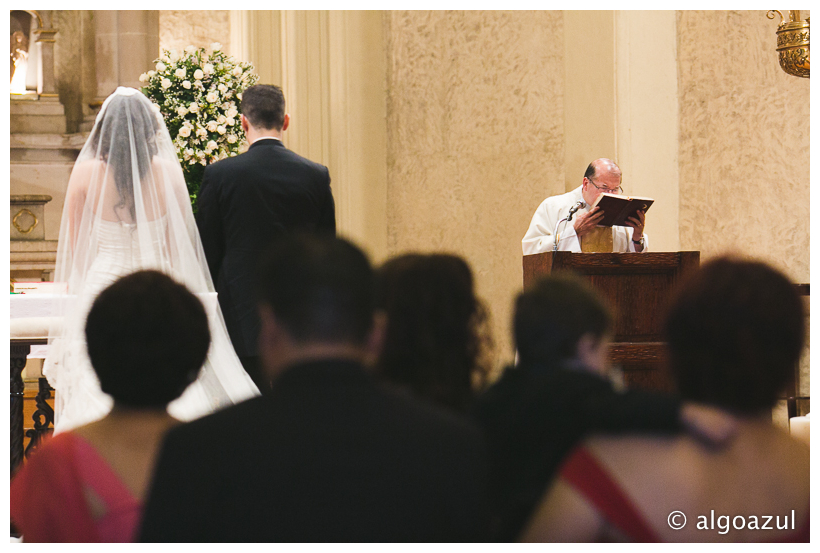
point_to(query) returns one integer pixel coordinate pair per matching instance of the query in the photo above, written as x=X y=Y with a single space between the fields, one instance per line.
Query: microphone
x=578 y=205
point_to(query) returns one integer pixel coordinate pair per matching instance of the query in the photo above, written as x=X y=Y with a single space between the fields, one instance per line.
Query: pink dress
x=49 y=496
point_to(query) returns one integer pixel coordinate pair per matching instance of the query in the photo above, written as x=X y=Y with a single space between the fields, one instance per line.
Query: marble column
x=44 y=36
x=127 y=43
x=331 y=67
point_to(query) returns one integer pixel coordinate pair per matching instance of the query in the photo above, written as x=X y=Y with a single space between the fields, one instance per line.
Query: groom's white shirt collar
x=267 y=138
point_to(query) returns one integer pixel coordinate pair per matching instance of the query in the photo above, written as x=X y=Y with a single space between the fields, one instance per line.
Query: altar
x=28 y=332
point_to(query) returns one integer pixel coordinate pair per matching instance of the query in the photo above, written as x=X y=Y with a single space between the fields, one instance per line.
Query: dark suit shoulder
x=269 y=149
x=285 y=153
x=433 y=418
x=224 y=164
x=225 y=421
x=522 y=388
x=271 y=163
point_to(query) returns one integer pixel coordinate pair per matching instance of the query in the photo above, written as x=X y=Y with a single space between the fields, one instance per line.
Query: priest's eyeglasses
x=618 y=190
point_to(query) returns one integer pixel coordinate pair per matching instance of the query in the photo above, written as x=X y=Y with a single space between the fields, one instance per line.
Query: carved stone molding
x=27 y=213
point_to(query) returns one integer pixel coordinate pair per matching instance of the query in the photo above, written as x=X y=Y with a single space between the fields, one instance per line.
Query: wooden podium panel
x=637 y=287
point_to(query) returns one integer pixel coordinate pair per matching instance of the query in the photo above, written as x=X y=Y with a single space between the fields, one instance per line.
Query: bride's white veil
x=127 y=208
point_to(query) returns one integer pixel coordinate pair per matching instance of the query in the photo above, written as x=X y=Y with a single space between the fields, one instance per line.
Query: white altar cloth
x=30 y=316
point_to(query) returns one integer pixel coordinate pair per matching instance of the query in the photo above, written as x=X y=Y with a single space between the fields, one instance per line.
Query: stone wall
x=475 y=139
x=744 y=144
x=68 y=64
x=476 y=134
x=200 y=28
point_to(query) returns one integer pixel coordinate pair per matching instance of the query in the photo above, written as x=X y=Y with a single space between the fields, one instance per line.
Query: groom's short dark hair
x=320 y=288
x=263 y=105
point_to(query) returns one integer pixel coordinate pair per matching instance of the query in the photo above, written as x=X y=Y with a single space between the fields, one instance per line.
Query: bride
x=127 y=208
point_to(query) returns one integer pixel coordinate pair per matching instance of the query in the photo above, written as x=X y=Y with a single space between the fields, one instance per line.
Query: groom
x=246 y=201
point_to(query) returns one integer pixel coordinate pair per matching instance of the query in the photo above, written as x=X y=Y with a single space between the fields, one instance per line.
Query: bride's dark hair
x=126 y=131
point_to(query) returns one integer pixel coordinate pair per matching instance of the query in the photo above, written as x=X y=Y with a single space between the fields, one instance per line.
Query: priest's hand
x=637 y=223
x=585 y=222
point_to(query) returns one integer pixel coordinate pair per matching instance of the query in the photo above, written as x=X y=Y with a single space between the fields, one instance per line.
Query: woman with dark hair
x=735 y=333
x=437 y=341
x=147 y=339
x=127 y=209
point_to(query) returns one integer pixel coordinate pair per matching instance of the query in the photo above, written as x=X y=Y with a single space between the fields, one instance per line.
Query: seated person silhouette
x=437 y=340
x=147 y=338
x=735 y=333
x=329 y=454
x=557 y=394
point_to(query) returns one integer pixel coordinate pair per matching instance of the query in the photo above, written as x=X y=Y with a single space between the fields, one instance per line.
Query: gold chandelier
x=793 y=43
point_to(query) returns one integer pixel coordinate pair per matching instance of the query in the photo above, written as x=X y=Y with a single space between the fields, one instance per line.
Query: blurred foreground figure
x=328 y=455
x=147 y=339
x=735 y=335
x=557 y=394
x=437 y=339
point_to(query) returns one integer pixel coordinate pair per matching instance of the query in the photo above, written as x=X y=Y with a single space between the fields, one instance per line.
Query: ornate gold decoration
x=20 y=214
x=37 y=15
x=793 y=43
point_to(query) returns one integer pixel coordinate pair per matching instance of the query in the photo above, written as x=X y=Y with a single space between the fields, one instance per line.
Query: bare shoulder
x=164 y=165
x=632 y=446
x=89 y=165
x=761 y=470
x=639 y=463
x=82 y=173
x=788 y=458
x=167 y=171
x=563 y=515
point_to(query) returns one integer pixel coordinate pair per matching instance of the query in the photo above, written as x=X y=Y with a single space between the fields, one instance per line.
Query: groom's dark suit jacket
x=244 y=203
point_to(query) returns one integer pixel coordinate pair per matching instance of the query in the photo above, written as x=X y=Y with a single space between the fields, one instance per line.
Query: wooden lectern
x=637 y=287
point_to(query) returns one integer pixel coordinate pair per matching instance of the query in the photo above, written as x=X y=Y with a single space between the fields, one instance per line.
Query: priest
x=582 y=233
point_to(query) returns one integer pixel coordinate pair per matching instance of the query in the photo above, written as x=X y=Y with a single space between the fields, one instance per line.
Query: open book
x=618 y=208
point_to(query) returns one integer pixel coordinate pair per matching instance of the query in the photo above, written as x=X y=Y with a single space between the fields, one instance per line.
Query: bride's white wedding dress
x=126 y=210
x=79 y=398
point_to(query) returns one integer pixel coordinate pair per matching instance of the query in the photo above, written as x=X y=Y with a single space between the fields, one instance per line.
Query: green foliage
x=198 y=95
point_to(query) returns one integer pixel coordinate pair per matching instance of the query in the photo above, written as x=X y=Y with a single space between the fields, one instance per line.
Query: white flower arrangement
x=198 y=95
